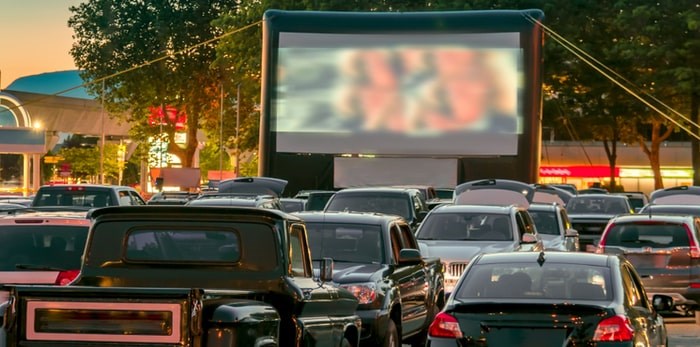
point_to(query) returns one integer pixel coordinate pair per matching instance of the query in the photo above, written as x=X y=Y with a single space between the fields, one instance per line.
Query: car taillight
x=616 y=328
x=445 y=325
x=601 y=244
x=64 y=278
x=75 y=188
x=694 y=249
x=695 y=285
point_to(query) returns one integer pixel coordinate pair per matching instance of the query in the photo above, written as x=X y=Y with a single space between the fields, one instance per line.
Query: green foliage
x=85 y=162
x=123 y=41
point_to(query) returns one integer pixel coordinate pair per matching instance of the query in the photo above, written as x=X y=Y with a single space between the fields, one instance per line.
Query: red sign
x=156 y=117
x=577 y=171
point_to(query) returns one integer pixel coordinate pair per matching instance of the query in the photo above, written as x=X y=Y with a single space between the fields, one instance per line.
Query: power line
x=166 y=56
x=600 y=67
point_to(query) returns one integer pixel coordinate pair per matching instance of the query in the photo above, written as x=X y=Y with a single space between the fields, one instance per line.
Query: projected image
x=367 y=89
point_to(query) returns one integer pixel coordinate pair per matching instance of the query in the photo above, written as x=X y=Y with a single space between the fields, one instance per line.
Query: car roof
x=598 y=196
x=396 y=190
x=583 y=258
x=347 y=217
x=644 y=217
x=450 y=208
x=105 y=186
x=193 y=211
x=544 y=207
x=54 y=218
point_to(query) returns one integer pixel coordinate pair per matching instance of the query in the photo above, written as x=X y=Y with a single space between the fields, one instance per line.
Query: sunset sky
x=34 y=37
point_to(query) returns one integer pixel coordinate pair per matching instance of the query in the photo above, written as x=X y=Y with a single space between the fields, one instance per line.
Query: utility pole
x=102 y=135
x=238 y=119
x=221 y=135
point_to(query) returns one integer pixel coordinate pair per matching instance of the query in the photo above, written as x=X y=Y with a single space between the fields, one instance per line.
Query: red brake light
x=64 y=278
x=445 y=325
x=695 y=285
x=71 y=188
x=615 y=328
x=694 y=249
x=601 y=244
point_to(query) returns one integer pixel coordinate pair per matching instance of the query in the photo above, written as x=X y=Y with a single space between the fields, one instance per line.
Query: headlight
x=364 y=292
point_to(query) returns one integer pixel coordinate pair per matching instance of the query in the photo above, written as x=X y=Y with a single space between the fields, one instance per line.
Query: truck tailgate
x=139 y=316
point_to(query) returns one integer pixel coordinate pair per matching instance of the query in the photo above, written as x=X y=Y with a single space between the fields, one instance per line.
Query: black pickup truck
x=376 y=257
x=187 y=276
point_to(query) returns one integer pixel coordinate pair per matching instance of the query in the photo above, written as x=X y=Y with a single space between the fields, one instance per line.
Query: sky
x=34 y=38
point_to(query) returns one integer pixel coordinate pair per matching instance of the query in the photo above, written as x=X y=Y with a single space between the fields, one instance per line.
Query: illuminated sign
x=577 y=171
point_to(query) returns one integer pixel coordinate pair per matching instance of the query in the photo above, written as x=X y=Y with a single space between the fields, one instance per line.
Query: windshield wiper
x=38 y=267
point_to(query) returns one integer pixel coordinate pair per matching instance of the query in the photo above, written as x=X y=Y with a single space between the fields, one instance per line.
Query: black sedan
x=550 y=299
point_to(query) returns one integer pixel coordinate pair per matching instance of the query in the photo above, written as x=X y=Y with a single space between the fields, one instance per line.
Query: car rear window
x=27 y=247
x=180 y=246
x=74 y=196
x=398 y=204
x=466 y=227
x=361 y=243
x=545 y=222
x=553 y=281
x=596 y=205
x=654 y=235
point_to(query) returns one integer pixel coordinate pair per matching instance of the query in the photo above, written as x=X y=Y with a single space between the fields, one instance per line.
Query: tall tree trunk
x=695 y=143
x=652 y=151
x=611 y=153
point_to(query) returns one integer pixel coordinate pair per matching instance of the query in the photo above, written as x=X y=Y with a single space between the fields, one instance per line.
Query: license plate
x=526 y=337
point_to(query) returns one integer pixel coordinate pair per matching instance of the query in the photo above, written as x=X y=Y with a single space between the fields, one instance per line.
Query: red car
x=41 y=247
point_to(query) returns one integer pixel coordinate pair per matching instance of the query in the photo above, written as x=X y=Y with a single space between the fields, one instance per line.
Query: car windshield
x=358 y=243
x=71 y=196
x=654 y=235
x=549 y=281
x=596 y=205
x=466 y=227
x=545 y=222
x=46 y=246
x=388 y=204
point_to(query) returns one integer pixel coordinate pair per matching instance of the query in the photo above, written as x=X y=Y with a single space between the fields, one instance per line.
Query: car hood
x=458 y=250
x=355 y=272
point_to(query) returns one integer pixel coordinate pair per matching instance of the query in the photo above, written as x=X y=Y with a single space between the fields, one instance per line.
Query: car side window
x=396 y=243
x=136 y=199
x=124 y=198
x=565 y=219
x=406 y=235
x=633 y=290
x=639 y=288
x=297 y=250
x=525 y=224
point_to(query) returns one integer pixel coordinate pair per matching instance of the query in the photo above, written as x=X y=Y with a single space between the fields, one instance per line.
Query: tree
x=664 y=46
x=120 y=45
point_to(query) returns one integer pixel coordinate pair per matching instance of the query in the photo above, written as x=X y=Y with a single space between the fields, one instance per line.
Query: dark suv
x=405 y=202
x=664 y=250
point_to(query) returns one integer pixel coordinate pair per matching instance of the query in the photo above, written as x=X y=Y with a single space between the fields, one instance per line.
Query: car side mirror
x=326 y=273
x=662 y=303
x=409 y=256
x=571 y=233
x=529 y=238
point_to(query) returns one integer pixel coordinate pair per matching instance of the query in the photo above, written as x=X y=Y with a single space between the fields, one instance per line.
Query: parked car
x=171 y=198
x=40 y=247
x=234 y=199
x=571 y=188
x=593 y=191
x=665 y=250
x=6 y=206
x=554 y=227
x=376 y=258
x=26 y=201
x=290 y=205
x=589 y=213
x=86 y=195
x=550 y=299
x=637 y=200
x=262 y=192
x=445 y=193
x=457 y=233
x=684 y=195
x=317 y=200
x=693 y=210
x=188 y=276
x=550 y=194
x=404 y=202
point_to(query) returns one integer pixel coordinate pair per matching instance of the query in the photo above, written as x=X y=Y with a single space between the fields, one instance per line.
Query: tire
x=391 y=339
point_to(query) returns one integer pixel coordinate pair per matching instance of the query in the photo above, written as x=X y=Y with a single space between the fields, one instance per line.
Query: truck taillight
x=64 y=278
x=615 y=328
x=694 y=249
x=445 y=325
